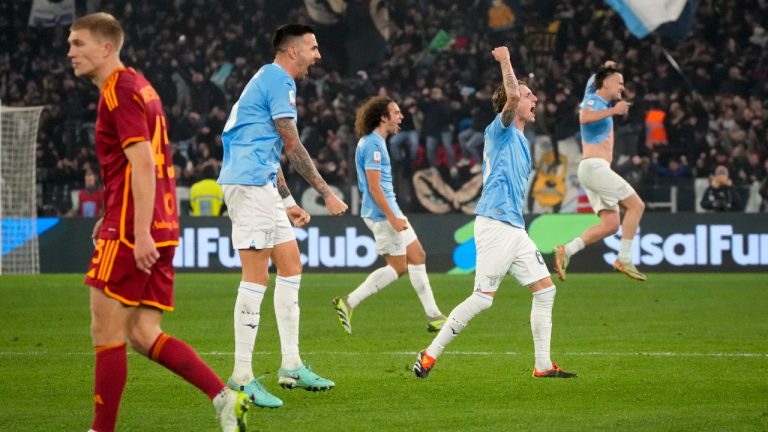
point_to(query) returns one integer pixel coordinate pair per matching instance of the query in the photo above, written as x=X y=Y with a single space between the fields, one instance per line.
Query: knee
x=640 y=205
x=417 y=257
x=482 y=300
x=106 y=333
x=292 y=269
x=141 y=339
x=400 y=269
x=610 y=226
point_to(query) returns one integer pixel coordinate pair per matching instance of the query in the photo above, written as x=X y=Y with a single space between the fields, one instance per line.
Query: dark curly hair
x=369 y=115
x=499 y=98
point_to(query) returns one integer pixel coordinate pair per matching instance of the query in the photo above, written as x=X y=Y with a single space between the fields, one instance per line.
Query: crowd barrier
x=682 y=242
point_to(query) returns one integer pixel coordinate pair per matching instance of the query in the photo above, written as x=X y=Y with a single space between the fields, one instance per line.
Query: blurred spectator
x=91 y=198
x=404 y=146
x=721 y=195
x=437 y=127
x=332 y=162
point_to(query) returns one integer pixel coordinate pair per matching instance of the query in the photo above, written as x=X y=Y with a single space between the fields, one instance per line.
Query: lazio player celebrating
x=606 y=190
x=261 y=124
x=396 y=240
x=503 y=246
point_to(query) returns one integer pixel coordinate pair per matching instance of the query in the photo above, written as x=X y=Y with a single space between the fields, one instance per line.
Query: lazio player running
x=606 y=190
x=396 y=240
x=503 y=246
x=260 y=125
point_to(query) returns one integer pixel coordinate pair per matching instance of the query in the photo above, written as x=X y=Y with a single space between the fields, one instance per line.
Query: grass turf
x=679 y=352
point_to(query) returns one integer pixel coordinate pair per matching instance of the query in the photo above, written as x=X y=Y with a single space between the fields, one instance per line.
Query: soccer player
x=131 y=272
x=396 y=240
x=503 y=246
x=263 y=122
x=606 y=190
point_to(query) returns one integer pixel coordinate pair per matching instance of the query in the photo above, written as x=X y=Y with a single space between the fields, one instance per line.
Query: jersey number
x=159 y=143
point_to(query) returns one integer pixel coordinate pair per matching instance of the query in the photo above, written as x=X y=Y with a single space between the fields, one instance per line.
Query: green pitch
x=680 y=352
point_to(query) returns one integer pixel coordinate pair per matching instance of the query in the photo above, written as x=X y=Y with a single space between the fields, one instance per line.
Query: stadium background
x=685 y=120
x=682 y=351
x=712 y=110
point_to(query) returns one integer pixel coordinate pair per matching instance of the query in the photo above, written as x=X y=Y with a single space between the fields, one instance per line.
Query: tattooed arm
x=501 y=54
x=299 y=156
x=282 y=186
x=302 y=162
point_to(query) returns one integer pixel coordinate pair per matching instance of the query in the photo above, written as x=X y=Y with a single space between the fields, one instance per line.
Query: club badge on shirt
x=292 y=97
x=377 y=157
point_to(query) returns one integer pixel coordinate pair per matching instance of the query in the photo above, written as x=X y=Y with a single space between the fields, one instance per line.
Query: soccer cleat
x=303 y=377
x=257 y=394
x=436 y=323
x=555 y=372
x=424 y=363
x=231 y=407
x=629 y=269
x=344 y=312
x=561 y=261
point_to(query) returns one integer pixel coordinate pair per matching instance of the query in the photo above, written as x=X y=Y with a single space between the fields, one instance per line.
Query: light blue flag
x=644 y=16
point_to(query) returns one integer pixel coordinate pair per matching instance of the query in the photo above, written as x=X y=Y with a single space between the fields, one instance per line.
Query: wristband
x=289 y=201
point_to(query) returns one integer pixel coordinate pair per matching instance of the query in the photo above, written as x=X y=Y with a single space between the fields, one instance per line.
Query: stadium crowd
x=433 y=58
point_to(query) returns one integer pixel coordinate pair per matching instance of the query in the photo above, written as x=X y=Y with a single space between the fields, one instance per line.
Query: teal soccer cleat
x=257 y=394
x=303 y=377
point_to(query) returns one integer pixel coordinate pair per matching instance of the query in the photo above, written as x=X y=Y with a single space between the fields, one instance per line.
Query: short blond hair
x=103 y=26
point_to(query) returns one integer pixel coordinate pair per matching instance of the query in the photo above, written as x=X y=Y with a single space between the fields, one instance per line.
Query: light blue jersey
x=594 y=133
x=506 y=168
x=590 y=89
x=252 y=145
x=371 y=154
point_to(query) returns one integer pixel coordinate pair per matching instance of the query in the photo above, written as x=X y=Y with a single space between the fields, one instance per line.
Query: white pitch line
x=403 y=353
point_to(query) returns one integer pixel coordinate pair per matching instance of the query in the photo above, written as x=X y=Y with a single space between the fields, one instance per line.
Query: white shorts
x=501 y=249
x=604 y=187
x=389 y=241
x=259 y=220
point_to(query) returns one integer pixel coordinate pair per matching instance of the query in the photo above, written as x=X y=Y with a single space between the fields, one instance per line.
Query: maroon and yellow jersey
x=130 y=111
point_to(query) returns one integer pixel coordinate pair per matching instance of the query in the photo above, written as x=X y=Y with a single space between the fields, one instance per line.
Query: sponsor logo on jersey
x=377 y=156
x=292 y=97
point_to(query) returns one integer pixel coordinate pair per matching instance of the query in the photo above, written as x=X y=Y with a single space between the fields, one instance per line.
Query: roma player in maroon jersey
x=131 y=272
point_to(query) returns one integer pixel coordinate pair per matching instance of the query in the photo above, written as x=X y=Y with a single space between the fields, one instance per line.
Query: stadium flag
x=441 y=41
x=45 y=13
x=220 y=76
x=644 y=16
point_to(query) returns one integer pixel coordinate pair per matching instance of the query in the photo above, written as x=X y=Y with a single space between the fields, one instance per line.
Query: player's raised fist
x=500 y=53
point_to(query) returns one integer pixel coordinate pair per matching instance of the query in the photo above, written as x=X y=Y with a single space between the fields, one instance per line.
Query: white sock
x=460 y=316
x=374 y=283
x=247 y=315
x=420 y=281
x=287 y=315
x=574 y=246
x=625 y=250
x=541 y=326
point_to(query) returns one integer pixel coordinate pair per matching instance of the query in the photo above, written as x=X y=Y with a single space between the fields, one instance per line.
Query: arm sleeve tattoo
x=513 y=95
x=299 y=157
x=282 y=186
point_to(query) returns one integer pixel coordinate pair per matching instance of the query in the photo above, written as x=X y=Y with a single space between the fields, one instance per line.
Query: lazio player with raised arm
x=503 y=245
